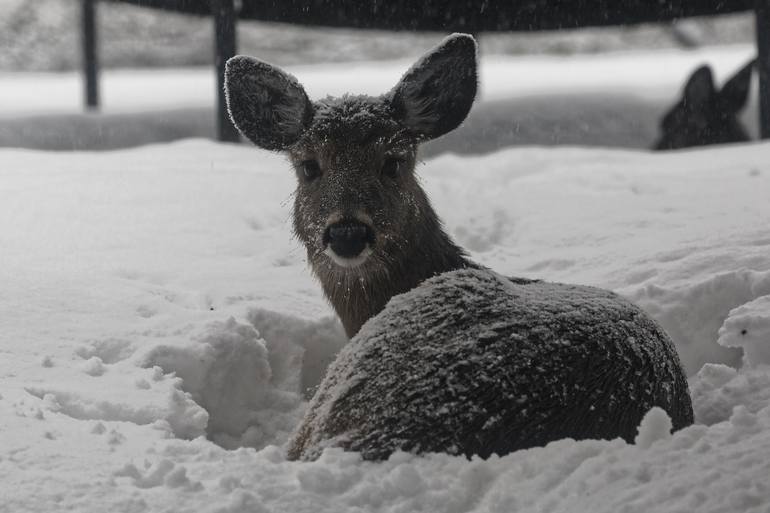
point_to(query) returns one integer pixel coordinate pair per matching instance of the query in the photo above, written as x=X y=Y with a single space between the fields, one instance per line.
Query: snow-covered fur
x=433 y=97
x=451 y=357
x=475 y=363
x=271 y=107
x=705 y=115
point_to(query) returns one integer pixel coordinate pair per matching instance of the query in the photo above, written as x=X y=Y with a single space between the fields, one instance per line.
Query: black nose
x=348 y=238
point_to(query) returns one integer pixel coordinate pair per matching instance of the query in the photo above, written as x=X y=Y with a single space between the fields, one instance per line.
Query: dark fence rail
x=438 y=15
x=469 y=16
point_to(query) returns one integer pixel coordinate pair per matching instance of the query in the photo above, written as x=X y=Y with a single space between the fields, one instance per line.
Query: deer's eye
x=310 y=169
x=392 y=166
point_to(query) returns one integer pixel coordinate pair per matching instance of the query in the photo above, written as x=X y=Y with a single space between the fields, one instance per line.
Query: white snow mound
x=748 y=327
x=656 y=425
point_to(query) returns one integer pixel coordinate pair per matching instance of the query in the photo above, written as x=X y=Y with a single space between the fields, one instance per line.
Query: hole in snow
x=252 y=379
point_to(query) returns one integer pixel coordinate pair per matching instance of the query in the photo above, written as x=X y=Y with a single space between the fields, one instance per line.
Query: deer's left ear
x=735 y=92
x=436 y=94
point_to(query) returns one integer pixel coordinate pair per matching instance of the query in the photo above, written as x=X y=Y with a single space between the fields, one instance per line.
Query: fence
x=441 y=15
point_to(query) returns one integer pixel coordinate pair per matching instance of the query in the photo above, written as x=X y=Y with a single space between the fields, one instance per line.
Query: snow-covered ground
x=160 y=331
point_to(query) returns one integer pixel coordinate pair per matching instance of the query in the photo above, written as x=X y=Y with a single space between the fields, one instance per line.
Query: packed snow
x=161 y=335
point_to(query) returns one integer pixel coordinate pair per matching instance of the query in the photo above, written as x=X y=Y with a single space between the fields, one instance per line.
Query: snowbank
x=157 y=314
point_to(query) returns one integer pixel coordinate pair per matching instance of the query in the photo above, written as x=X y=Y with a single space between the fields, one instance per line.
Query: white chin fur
x=348 y=262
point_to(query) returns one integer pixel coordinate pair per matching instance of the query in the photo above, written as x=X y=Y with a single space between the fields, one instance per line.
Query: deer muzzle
x=348 y=241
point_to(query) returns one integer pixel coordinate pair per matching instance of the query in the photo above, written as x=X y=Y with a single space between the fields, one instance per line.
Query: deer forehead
x=353 y=124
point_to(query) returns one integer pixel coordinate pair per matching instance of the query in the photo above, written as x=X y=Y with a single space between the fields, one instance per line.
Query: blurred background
x=605 y=86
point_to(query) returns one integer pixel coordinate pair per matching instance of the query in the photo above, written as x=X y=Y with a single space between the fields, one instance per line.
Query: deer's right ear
x=699 y=87
x=266 y=104
x=735 y=92
x=436 y=94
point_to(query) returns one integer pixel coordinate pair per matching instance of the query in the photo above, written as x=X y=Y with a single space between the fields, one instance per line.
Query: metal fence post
x=762 y=13
x=224 y=37
x=90 y=60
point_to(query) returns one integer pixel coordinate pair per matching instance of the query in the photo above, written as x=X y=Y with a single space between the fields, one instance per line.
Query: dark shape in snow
x=704 y=115
x=473 y=363
x=451 y=357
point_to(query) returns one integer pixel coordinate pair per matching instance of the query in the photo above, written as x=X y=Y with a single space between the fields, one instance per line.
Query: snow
x=160 y=334
x=655 y=426
x=155 y=295
x=748 y=327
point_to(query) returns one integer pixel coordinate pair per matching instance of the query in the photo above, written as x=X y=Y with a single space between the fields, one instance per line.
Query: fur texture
x=266 y=104
x=474 y=363
x=437 y=93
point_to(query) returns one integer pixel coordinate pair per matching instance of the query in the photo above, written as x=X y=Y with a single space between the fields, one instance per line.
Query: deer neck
x=360 y=293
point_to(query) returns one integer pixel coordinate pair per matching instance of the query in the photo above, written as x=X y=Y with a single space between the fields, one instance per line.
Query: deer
x=705 y=115
x=445 y=355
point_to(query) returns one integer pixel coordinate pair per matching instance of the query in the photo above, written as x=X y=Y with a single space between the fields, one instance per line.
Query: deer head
x=359 y=209
x=705 y=115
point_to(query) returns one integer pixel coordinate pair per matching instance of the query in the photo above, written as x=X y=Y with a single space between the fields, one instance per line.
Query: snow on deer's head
x=705 y=115
x=359 y=208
